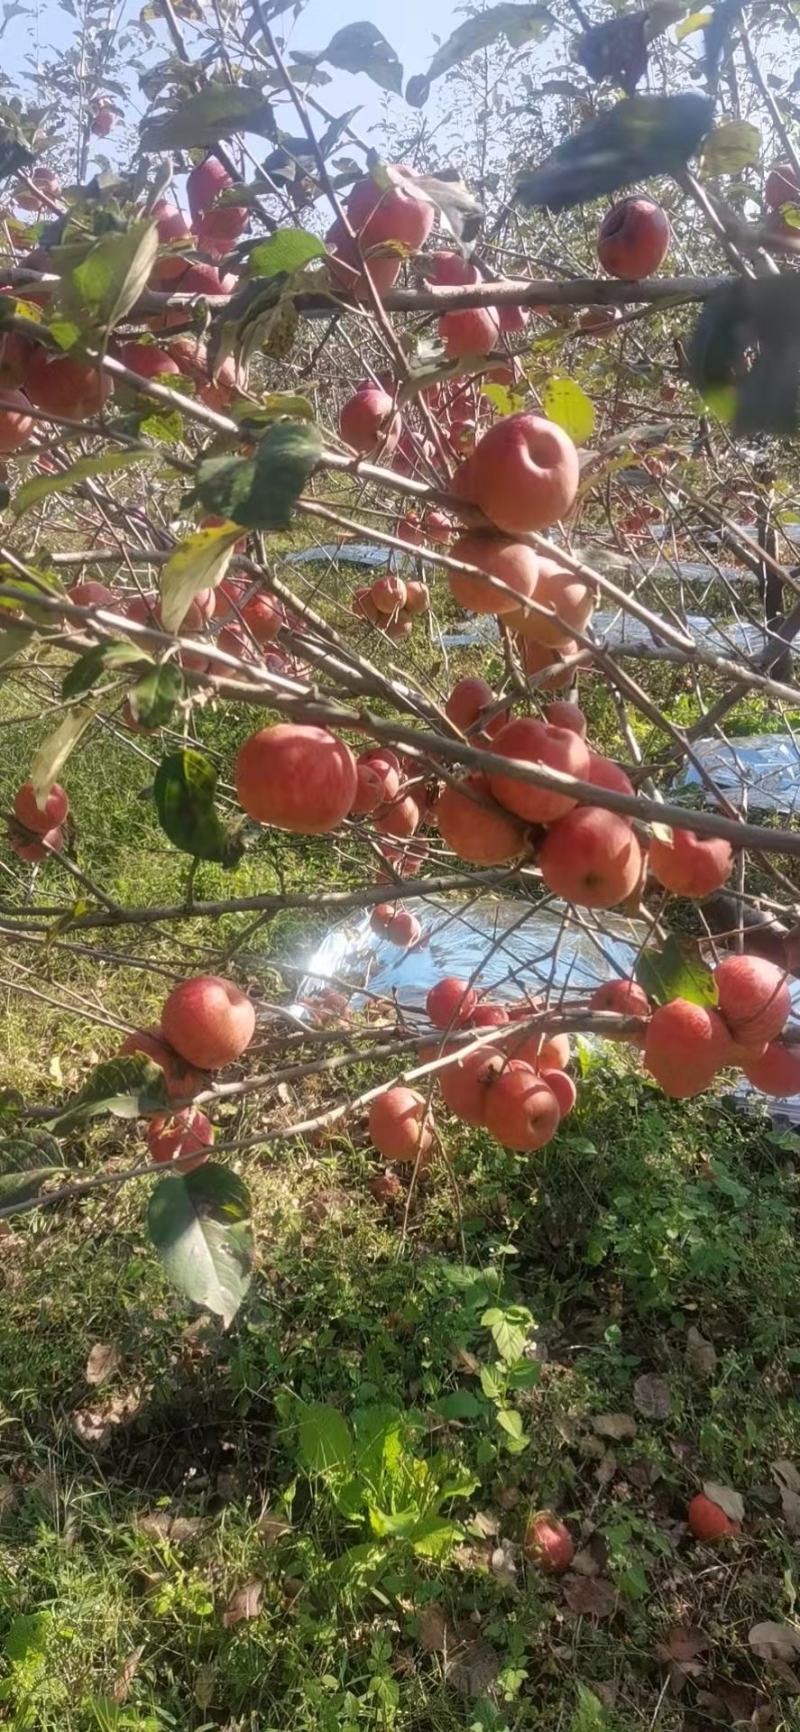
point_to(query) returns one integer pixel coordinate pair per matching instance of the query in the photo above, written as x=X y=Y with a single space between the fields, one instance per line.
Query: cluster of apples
x=206 y=1023
x=391 y=603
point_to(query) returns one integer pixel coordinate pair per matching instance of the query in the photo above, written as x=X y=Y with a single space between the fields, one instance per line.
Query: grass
x=314 y=1520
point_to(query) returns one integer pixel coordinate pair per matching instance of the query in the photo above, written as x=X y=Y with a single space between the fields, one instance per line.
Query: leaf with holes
x=108 y=463
x=206 y=116
x=199 y=562
x=104 y=658
x=565 y=403
x=677 y=970
x=734 y=145
x=200 y=1225
x=518 y=23
x=99 y=291
x=55 y=750
x=184 y=789
x=260 y=492
x=129 y=1087
x=153 y=700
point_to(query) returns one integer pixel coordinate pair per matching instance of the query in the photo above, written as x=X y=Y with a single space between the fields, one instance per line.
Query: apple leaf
x=127 y=1087
x=99 y=291
x=734 y=145
x=86 y=671
x=259 y=492
x=283 y=253
x=200 y=1225
x=676 y=971
x=745 y=349
x=108 y=463
x=199 y=562
x=153 y=700
x=567 y=404
x=184 y=789
x=639 y=137
x=54 y=751
x=359 y=47
x=203 y=118
x=518 y=23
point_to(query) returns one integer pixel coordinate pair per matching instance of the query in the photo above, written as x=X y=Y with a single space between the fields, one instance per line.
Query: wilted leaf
x=22 y=1185
x=103 y=1361
x=729 y=1500
x=200 y=1225
x=153 y=699
x=734 y=145
x=85 y=672
x=160 y=1524
x=677 y=970
x=591 y=1597
x=128 y=1087
x=244 y=1604
x=99 y=291
x=184 y=788
x=360 y=47
x=640 y=137
x=773 y=1641
x=614 y=1425
x=436 y=1631
x=652 y=1396
x=472 y=1665
x=273 y=1528
x=199 y=562
x=683 y=1644
x=107 y=463
x=95 y=1426
x=519 y=23
x=260 y=492
x=203 y=118
x=568 y=405
x=55 y=750
x=787 y=1478
x=120 y=1688
x=701 y=1355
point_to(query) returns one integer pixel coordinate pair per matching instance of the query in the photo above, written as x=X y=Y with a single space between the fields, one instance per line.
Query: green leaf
x=492 y=1383
x=734 y=145
x=218 y=111
x=259 y=492
x=510 y=1421
x=324 y=1439
x=199 y=562
x=110 y=280
x=12 y=642
x=199 y=1223
x=109 y=463
x=87 y=669
x=676 y=971
x=434 y=1537
x=275 y=406
x=127 y=1087
x=284 y=252
x=517 y=23
x=184 y=789
x=509 y=1330
x=461 y=1404
x=361 y=48
x=639 y=137
x=20 y=1187
x=54 y=751
x=565 y=403
x=153 y=700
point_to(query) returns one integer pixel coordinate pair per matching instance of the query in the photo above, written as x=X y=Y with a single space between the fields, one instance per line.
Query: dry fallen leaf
x=472 y=1667
x=125 y=1676
x=245 y=1603
x=102 y=1362
x=739 y=1701
x=651 y=1395
x=503 y=1564
x=93 y=1426
x=788 y=1480
x=701 y=1355
x=436 y=1631
x=614 y=1425
x=273 y=1528
x=591 y=1598
x=771 y=1641
x=683 y=1644
x=727 y=1498
x=160 y=1525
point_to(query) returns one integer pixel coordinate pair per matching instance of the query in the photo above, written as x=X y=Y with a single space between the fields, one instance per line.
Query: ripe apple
x=684 y=1046
x=475 y=828
x=170 y=222
x=418 y=597
x=708 y=1521
x=464 y=1083
x=369 y=421
x=591 y=857
x=400 y=1125
x=521 y=1111
x=388 y=594
x=296 y=777
x=208 y=1020
x=394 y=213
x=451 y=1002
x=569 y=603
x=544 y=664
x=513 y=318
x=754 y=998
x=103 y=121
x=562 y=1086
x=500 y=557
x=523 y=473
x=147 y=360
x=782 y=186
x=468 y=698
x=606 y=774
x=37 y=848
x=691 y=865
x=60 y=385
x=536 y=742
x=398 y=925
x=450 y=270
x=625 y=997
x=346 y=268
x=548 y=1543
x=776 y=1071
x=473 y=331
x=184 y=1138
x=634 y=238
x=399 y=817
x=40 y=819
x=205 y=183
x=566 y=715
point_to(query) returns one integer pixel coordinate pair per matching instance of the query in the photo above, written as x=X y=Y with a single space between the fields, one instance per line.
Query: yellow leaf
x=565 y=403
x=54 y=751
x=731 y=147
x=198 y=563
x=695 y=21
